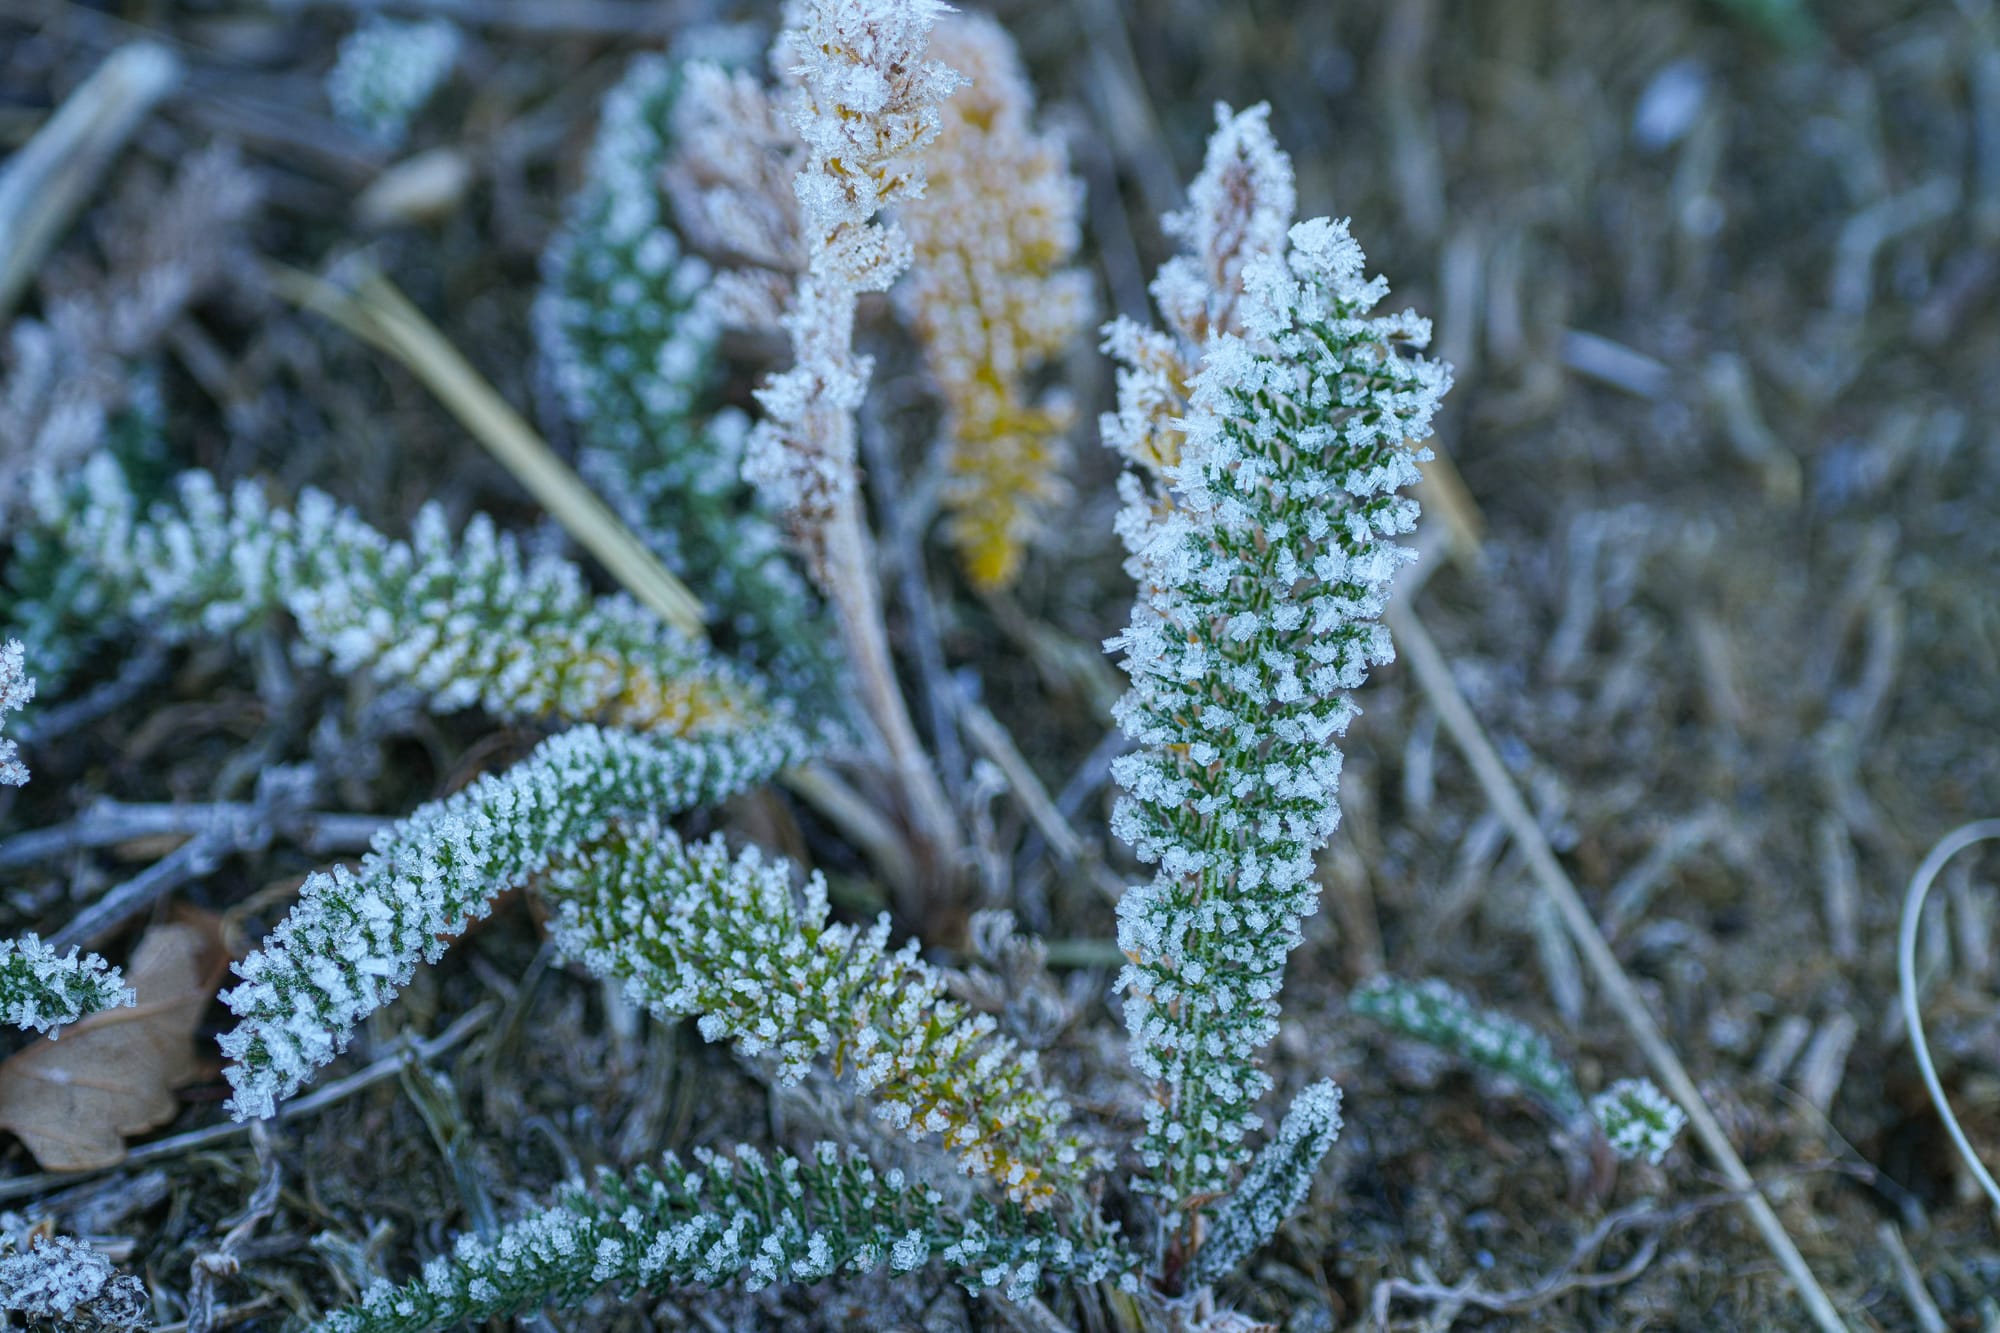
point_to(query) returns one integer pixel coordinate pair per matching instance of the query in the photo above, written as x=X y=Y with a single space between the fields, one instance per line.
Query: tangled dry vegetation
x=1720 y=284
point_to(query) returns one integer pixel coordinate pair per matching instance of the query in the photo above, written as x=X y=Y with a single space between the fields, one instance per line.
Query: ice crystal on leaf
x=1263 y=546
x=61 y=1282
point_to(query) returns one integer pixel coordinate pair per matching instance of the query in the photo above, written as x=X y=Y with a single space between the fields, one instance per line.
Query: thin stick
x=1434 y=676
x=1951 y=845
x=46 y=182
x=381 y=316
x=985 y=732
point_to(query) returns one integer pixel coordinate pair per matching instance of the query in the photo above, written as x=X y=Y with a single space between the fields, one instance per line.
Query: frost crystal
x=690 y=929
x=15 y=691
x=1638 y=1120
x=41 y=989
x=990 y=298
x=1262 y=531
x=61 y=1282
x=865 y=105
x=387 y=70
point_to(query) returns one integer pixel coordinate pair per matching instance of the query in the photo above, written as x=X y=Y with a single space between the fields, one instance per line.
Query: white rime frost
x=1262 y=535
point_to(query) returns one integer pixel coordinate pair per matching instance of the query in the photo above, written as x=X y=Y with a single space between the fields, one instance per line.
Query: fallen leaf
x=74 y=1100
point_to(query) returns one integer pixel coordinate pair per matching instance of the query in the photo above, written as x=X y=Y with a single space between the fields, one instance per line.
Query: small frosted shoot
x=16 y=689
x=387 y=70
x=1434 y=1013
x=1638 y=1120
x=41 y=990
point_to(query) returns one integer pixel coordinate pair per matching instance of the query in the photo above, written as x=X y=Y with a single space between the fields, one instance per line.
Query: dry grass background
x=1728 y=410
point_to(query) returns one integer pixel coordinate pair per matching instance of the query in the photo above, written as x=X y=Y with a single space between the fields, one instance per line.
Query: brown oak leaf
x=73 y=1101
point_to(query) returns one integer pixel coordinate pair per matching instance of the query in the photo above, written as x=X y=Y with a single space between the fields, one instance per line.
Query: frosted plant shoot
x=1262 y=520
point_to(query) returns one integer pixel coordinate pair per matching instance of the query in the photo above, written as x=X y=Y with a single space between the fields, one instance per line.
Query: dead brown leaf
x=75 y=1100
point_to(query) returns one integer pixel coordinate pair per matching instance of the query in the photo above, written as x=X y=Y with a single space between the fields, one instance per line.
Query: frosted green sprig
x=1278 y=1180
x=631 y=348
x=16 y=689
x=354 y=938
x=1262 y=531
x=1637 y=1119
x=741 y=1218
x=1436 y=1014
x=693 y=929
x=387 y=70
x=41 y=989
x=469 y=623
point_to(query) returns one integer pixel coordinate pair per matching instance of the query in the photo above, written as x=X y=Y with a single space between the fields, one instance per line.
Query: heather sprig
x=739 y=1217
x=865 y=102
x=1263 y=550
x=1279 y=1178
x=991 y=299
x=1636 y=1119
x=469 y=623
x=1434 y=1013
x=354 y=938
x=387 y=70
x=41 y=989
x=630 y=345
x=693 y=929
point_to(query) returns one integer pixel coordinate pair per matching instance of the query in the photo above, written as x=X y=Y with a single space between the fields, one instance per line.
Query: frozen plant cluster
x=1273 y=424
x=387 y=70
x=1262 y=520
x=61 y=1282
x=697 y=930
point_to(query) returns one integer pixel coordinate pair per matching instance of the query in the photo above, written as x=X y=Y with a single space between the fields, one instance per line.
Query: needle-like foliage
x=742 y=1217
x=695 y=930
